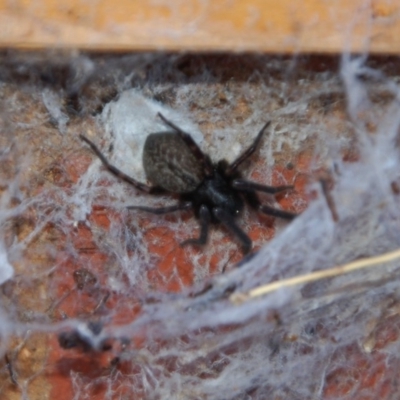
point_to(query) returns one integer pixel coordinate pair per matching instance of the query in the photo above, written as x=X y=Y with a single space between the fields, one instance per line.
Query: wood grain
x=219 y=25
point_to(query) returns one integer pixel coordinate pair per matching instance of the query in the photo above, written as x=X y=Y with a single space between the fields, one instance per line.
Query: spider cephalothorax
x=174 y=164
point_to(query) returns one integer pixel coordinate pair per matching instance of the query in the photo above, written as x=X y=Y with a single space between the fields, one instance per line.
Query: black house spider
x=174 y=164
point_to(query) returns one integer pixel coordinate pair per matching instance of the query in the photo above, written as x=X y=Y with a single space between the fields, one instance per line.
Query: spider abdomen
x=170 y=164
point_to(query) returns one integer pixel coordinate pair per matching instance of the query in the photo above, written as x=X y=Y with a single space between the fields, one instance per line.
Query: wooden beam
x=209 y=25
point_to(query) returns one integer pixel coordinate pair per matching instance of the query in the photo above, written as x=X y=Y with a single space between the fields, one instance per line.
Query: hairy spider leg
x=205 y=218
x=248 y=152
x=203 y=159
x=244 y=185
x=254 y=202
x=277 y=213
x=329 y=199
x=118 y=173
x=228 y=221
x=163 y=210
x=11 y=371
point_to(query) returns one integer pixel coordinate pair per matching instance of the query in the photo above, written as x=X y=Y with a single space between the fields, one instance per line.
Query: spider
x=216 y=192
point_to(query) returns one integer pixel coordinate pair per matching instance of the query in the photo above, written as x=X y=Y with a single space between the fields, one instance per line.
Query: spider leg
x=11 y=371
x=162 y=210
x=241 y=184
x=329 y=199
x=254 y=202
x=203 y=159
x=228 y=221
x=118 y=173
x=248 y=152
x=277 y=213
x=205 y=219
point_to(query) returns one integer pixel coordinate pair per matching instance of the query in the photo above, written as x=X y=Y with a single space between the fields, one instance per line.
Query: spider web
x=167 y=312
